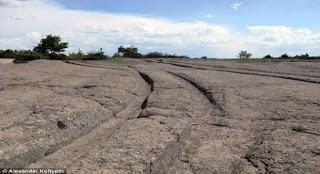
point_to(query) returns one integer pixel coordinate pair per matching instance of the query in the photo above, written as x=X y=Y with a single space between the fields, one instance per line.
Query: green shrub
x=299 y=128
x=21 y=55
x=154 y=55
x=96 y=55
x=55 y=56
x=284 y=56
x=116 y=55
x=268 y=57
x=163 y=55
x=132 y=52
x=77 y=56
x=204 y=57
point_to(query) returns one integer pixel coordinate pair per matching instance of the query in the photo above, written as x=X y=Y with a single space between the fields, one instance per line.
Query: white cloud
x=17 y=17
x=90 y=30
x=14 y=3
x=236 y=5
x=282 y=35
x=94 y=30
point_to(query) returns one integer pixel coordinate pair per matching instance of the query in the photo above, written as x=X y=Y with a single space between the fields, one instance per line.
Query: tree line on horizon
x=246 y=55
x=51 y=47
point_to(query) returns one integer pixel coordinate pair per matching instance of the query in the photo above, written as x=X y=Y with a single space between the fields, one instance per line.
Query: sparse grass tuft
x=299 y=128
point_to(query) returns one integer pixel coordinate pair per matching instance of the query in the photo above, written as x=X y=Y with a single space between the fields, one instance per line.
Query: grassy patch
x=299 y=128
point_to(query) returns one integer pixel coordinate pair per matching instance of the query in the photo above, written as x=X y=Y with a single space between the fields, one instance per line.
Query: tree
x=268 y=57
x=79 y=55
x=154 y=55
x=121 y=50
x=96 y=55
x=244 y=55
x=129 y=52
x=284 y=56
x=204 y=57
x=116 y=55
x=51 y=45
x=307 y=55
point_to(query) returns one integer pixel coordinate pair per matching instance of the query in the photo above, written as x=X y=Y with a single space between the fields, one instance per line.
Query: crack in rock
x=246 y=73
x=171 y=154
x=204 y=91
x=150 y=82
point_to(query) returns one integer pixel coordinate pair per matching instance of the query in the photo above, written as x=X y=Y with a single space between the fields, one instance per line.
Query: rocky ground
x=5 y=61
x=161 y=116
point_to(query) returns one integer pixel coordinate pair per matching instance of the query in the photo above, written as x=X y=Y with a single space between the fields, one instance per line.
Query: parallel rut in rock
x=203 y=90
x=150 y=82
x=244 y=72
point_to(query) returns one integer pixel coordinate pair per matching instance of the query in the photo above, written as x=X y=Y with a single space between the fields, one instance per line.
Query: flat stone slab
x=161 y=116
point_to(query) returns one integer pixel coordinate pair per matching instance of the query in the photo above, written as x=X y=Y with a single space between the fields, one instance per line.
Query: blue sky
x=214 y=28
x=294 y=13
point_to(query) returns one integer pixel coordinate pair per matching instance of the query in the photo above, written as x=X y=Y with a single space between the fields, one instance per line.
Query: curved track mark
x=150 y=82
x=203 y=90
x=247 y=73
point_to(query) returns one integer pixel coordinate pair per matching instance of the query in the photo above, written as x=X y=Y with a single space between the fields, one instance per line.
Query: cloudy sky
x=215 y=28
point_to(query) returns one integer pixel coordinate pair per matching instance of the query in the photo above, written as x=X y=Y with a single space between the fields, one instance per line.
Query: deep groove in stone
x=150 y=82
x=89 y=86
x=170 y=154
x=247 y=69
x=86 y=64
x=247 y=73
x=144 y=104
x=203 y=90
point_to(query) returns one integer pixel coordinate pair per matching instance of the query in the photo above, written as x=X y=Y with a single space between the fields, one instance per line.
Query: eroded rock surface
x=171 y=116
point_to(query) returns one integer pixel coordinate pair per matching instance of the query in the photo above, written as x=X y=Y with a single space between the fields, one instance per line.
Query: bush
x=299 y=128
x=21 y=55
x=163 y=55
x=154 y=55
x=77 y=56
x=8 y=53
x=284 y=56
x=30 y=55
x=204 y=57
x=116 y=55
x=299 y=57
x=95 y=55
x=303 y=56
x=55 y=56
x=132 y=52
x=268 y=57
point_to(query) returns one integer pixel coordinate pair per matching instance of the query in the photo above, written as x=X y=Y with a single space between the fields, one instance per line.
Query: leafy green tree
x=132 y=52
x=121 y=50
x=51 y=45
x=284 y=56
x=96 y=55
x=244 y=55
x=154 y=55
